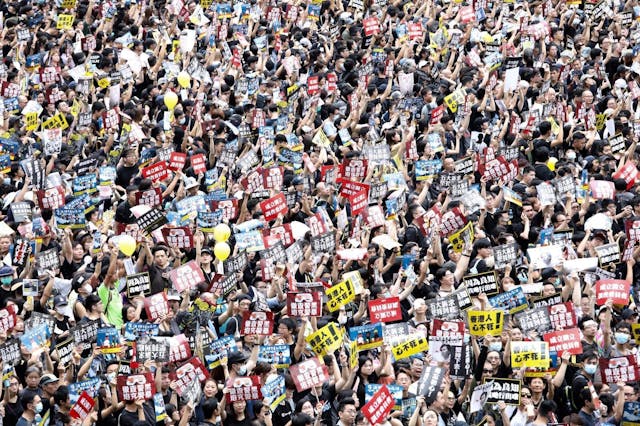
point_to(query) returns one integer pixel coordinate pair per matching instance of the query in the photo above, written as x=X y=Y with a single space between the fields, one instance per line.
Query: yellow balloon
x=170 y=100
x=551 y=163
x=221 y=232
x=126 y=244
x=222 y=251
x=184 y=79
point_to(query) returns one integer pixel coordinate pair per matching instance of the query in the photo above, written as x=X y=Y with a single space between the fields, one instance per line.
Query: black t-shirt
x=68 y=269
x=125 y=174
x=158 y=282
x=12 y=412
x=124 y=214
x=128 y=418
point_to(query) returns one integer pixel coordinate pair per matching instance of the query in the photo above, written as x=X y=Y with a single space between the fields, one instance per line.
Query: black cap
x=236 y=358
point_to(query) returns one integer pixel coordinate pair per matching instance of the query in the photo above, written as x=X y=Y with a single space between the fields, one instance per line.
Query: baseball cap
x=60 y=301
x=48 y=379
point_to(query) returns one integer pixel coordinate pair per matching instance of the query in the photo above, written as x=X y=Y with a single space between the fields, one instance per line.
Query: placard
x=134 y=387
x=608 y=254
x=186 y=276
x=304 y=304
x=151 y=220
x=562 y=316
x=411 y=346
x=244 y=389
x=180 y=238
x=308 y=374
x=339 y=295
x=367 y=336
x=614 y=370
x=534 y=319
x=379 y=407
x=326 y=340
x=274 y=206
x=617 y=290
x=83 y=406
x=156 y=306
x=385 y=310
x=482 y=323
x=530 y=354
x=486 y=282
x=138 y=284
x=257 y=323
x=562 y=341
x=507 y=390
x=277 y=355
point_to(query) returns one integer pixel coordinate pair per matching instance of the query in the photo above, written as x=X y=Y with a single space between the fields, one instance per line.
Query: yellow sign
x=339 y=295
x=353 y=354
x=458 y=238
x=65 y=22
x=530 y=354
x=482 y=323
x=321 y=139
x=68 y=4
x=635 y=328
x=455 y=99
x=58 y=121
x=31 y=120
x=75 y=108
x=205 y=4
x=601 y=120
x=326 y=340
x=411 y=347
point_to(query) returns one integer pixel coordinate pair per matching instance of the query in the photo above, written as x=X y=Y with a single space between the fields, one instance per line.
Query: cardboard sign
x=379 y=407
x=308 y=374
x=325 y=243
x=108 y=340
x=448 y=331
x=530 y=354
x=359 y=202
x=274 y=206
x=482 y=323
x=385 y=310
x=326 y=340
x=617 y=290
x=512 y=301
x=449 y=306
x=257 y=323
x=534 y=319
x=151 y=197
x=628 y=172
x=624 y=369
x=7 y=318
x=486 y=282
x=244 y=389
x=505 y=254
x=186 y=276
x=430 y=381
x=304 y=304
x=133 y=387
x=151 y=220
x=562 y=341
x=138 y=284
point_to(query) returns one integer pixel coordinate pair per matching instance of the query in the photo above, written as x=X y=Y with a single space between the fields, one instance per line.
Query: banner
x=83 y=406
x=277 y=355
x=511 y=301
x=562 y=316
x=534 y=319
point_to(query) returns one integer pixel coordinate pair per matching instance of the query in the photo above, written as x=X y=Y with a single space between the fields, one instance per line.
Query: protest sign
x=156 y=306
x=367 y=336
x=411 y=346
x=83 y=406
x=304 y=304
x=507 y=390
x=308 y=374
x=619 y=369
x=608 y=254
x=482 y=323
x=379 y=407
x=186 y=276
x=277 y=355
x=138 y=284
x=385 y=310
x=134 y=387
x=152 y=350
x=486 y=283
x=562 y=316
x=326 y=340
x=530 y=354
x=562 y=341
x=616 y=290
x=257 y=323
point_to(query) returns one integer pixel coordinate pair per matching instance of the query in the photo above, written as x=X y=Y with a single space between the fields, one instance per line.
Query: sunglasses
x=487 y=371
x=525 y=395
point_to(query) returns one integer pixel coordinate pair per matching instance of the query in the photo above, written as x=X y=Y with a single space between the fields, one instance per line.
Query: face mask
x=38 y=408
x=590 y=368
x=242 y=371
x=621 y=338
x=6 y=281
x=466 y=338
x=182 y=120
x=495 y=346
x=62 y=310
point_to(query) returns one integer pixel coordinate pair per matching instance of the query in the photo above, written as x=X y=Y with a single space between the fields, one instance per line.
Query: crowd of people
x=383 y=212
